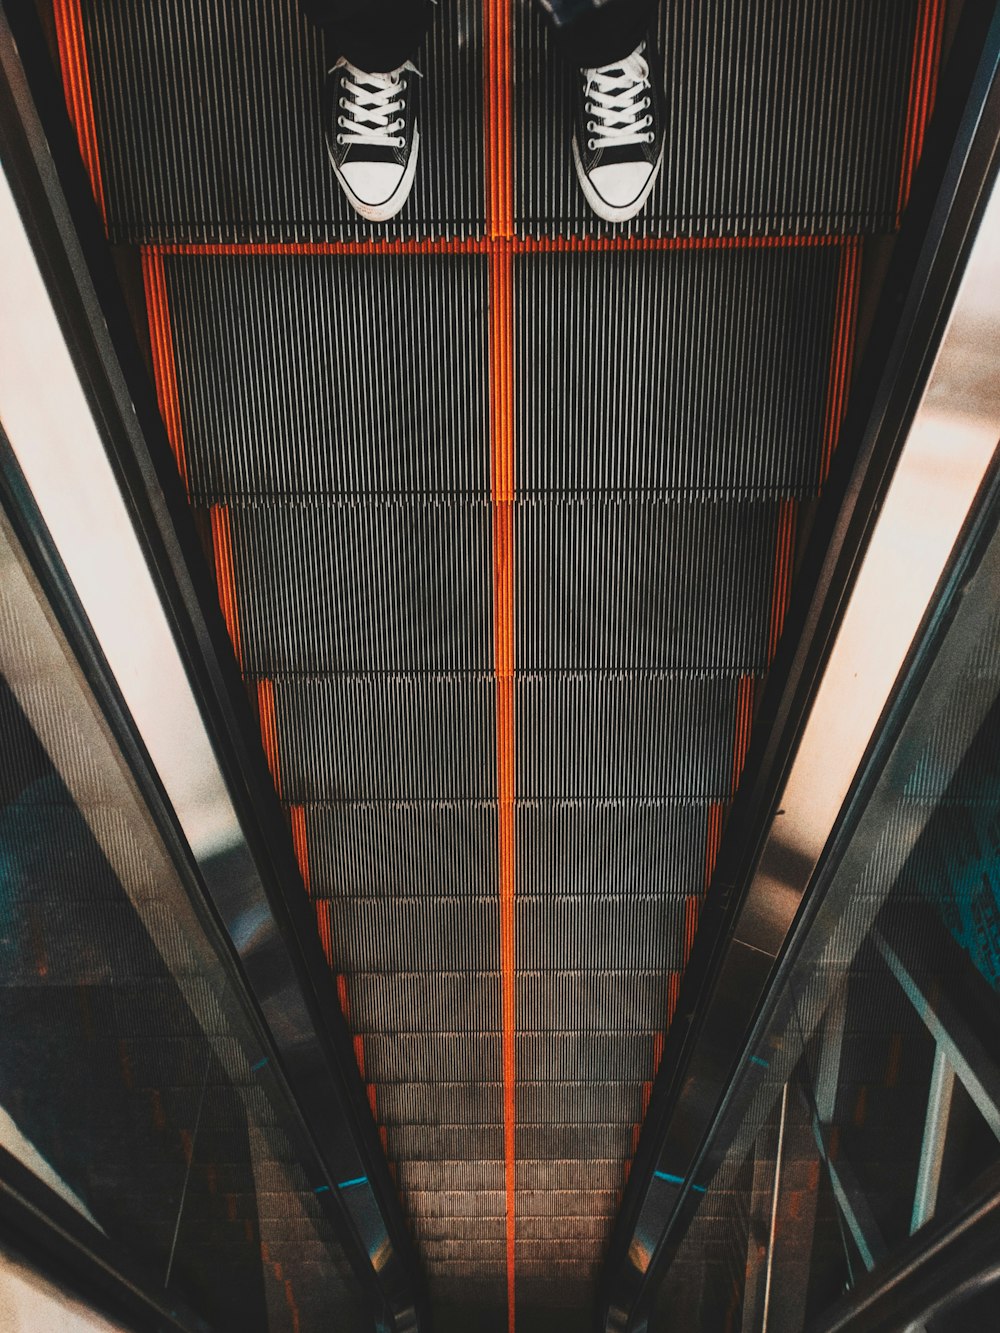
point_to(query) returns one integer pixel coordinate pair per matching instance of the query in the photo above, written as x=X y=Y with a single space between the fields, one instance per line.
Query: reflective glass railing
x=873 y=1078
x=138 y=1101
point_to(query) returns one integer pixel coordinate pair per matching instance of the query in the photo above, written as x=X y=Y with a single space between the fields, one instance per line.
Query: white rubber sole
x=601 y=206
x=384 y=211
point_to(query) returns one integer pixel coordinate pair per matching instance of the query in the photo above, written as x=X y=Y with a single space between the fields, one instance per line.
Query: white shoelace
x=372 y=107
x=617 y=95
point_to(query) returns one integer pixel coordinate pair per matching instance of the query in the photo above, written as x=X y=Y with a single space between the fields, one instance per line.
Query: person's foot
x=372 y=136
x=618 y=134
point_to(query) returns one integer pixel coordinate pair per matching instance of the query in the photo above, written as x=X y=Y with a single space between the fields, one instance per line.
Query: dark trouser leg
x=589 y=37
x=375 y=35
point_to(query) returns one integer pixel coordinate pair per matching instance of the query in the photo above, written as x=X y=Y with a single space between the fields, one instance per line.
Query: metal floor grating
x=504 y=578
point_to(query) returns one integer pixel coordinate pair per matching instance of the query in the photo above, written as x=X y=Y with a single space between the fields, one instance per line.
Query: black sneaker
x=618 y=134
x=372 y=136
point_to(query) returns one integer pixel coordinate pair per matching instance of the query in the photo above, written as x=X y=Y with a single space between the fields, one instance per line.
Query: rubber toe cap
x=622 y=183
x=373 y=183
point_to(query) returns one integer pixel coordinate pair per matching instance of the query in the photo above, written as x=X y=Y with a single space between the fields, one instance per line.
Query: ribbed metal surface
x=396 y=586
x=596 y=848
x=778 y=119
x=390 y=738
x=209 y=123
x=698 y=372
x=568 y=720
x=246 y=429
x=357 y=503
x=636 y=585
x=339 y=413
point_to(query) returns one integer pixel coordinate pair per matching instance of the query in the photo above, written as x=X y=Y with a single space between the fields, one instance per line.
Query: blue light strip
x=756 y=1060
x=678 y=1180
x=358 y=1180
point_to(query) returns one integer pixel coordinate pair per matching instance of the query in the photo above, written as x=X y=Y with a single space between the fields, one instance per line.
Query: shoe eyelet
x=646 y=101
x=650 y=137
x=591 y=144
x=591 y=126
x=648 y=120
x=341 y=120
x=340 y=141
x=401 y=143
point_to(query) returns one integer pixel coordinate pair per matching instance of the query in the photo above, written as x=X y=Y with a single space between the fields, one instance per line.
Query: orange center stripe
x=500 y=213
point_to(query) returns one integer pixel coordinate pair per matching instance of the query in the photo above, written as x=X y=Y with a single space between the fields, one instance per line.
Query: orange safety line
x=164 y=374
x=499 y=151
x=920 y=98
x=692 y=909
x=297 y=815
x=673 y=995
x=292 y=1306
x=745 y=689
x=342 y=995
x=357 y=1040
x=162 y=347
x=841 y=351
x=75 y=69
x=604 y=244
x=482 y=245
x=659 y=1038
x=326 y=940
x=225 y=574
x=269 y=729
x=375 y=247
x=647 y=1093
x=784 y=549
x=713 y=839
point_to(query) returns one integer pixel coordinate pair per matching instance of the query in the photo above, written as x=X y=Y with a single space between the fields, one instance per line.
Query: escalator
x=502 y=517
